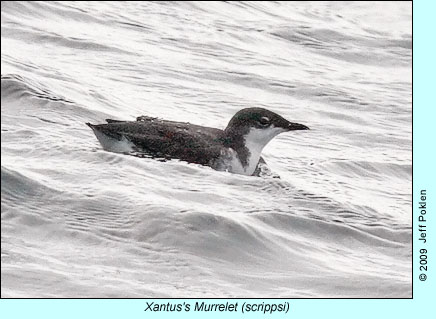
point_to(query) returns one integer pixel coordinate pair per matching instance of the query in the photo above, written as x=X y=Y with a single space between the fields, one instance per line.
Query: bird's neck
x=248 y=145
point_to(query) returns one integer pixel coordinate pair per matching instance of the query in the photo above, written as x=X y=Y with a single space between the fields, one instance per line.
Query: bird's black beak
x=296 y=126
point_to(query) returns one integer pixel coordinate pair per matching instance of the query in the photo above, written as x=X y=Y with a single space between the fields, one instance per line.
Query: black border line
x=261 y=298
x=413 y=204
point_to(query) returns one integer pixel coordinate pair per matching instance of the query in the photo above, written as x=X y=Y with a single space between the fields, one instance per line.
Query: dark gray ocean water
x=77 y=221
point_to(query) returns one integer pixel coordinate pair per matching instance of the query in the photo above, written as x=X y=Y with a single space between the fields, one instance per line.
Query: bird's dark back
x=168 y=139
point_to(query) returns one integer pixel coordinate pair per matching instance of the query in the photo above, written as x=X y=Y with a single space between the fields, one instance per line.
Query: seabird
x=236 y=149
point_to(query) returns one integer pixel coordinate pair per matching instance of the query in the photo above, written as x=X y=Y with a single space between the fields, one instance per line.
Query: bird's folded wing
x=169 y=141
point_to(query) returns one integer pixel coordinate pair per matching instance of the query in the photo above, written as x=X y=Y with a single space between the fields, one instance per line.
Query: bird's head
x=258 y=126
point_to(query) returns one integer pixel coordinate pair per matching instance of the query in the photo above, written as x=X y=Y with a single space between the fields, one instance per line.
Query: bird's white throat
x=255 y=141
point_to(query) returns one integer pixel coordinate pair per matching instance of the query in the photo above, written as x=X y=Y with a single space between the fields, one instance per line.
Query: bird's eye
x=264 y=120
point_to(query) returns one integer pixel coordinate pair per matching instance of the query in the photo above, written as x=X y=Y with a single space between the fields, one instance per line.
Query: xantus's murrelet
x=236 y=149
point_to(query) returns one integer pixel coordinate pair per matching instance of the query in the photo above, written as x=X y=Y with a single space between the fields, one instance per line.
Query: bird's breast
x=230 y=161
